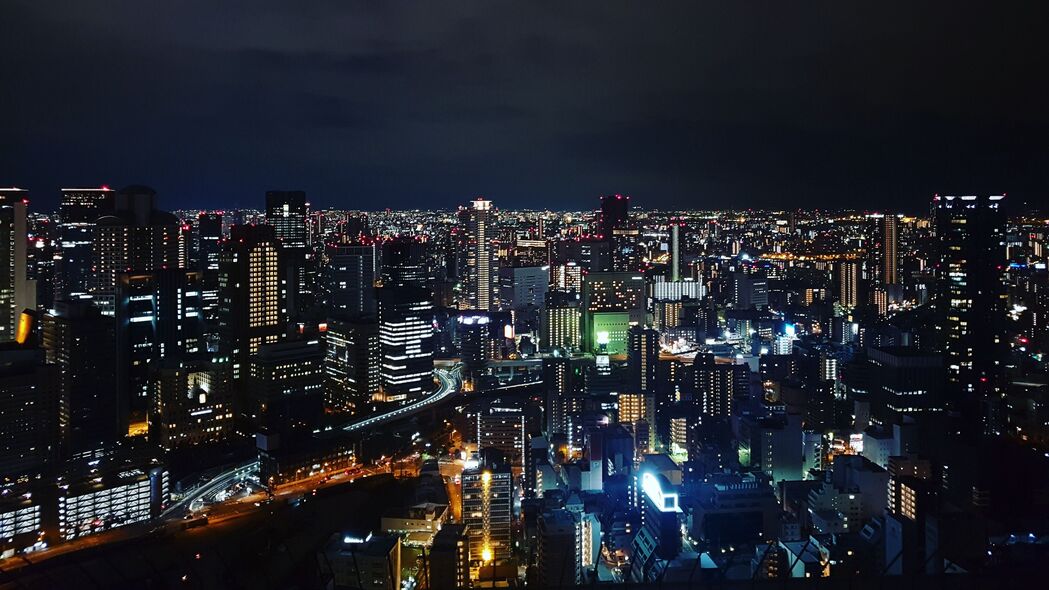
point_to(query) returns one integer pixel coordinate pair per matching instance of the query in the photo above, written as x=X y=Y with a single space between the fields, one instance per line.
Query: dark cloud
x=682 y=104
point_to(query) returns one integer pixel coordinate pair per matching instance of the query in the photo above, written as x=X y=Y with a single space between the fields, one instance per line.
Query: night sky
x=533 y=104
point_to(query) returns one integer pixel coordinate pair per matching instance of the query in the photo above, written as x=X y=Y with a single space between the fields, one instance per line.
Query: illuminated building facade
x=349 y=279
x=351 y=365
x=107 y=494
x=559 y=324
x=479 y=226
x=192 y=403
x=14 y=292
x=79 y=210
x=487 y=509
x=502 y=428
x=287 y=211
x=406 y=341
x=135 y=237
x=611 y=303
x=286 y=386
x=29 y=412
x=252 y=295
x=970 y=301
x=659 y=539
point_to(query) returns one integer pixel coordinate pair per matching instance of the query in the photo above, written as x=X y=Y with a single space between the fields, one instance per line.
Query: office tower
x=667 y=314
x=679 y=290
x=79 y=210
x=642 y=358
x=351 y=365
x=658 y=541
x=475 y=342
x=286 y=211
x=349 y=279
x=16 y=294
x=566 y=277
x=559 y=551
x=449 y=558
x=158 y=315
x=848 y=283
x=209 y=250
x=675 y=250
x=970 y=301
x=638 y=412
x=286 y=386
x=523 y=287
x=81 y=343
x=717 y=385
x=502 y=427
x=252 y=294
x=406 y=341
x=611 y=303
x=479 y=226
x=487 y=509
x=615 y=214
x=404 y=261
x=889 y=259
x=29 y=412
x=192 y=402
x=363 y=561
x=559 y=323
x=906 y=382
x=750 y=290
x=135 y=237
x=564 y=381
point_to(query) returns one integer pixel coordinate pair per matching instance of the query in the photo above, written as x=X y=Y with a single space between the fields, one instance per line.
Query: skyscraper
x=559 y=555
x=611 y=303
x=559 y=323
x=642 y=358
x=479 y=224
x=81 y=343
x=351 y=364
x=209 y=248
x=848 y=283
x=349 y=279
x=15 y=293
x=716 y=385
x=79 y=211
x=287 y=211
x=405 y=341
x=158 y=316
x=135 y=237
x=615 y=211
x=29 y=412
x=890 y=263
x=252 y=294
x=970 y=300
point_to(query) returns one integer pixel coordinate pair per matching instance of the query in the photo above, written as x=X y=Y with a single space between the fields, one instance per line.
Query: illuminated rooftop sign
x=665 y=501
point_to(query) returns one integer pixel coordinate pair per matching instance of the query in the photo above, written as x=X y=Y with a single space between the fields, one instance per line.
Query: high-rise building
x=564 y=380
x=642 y=358
x=849 y=283
x=351 y=365
x=675 y=250
x=615 y=213
x=750 y=290
x=286 y=386
x=970 y=301
x=559 y=551
x=252 y=294
x=349 y=279
x=659 y=539
x=29 y=412
x=135 y=237
x=638 y=412
x=523 y=287
x=209 y=250
x=502 y=427
x=890 y=262
x=717 y=385
x=559 y=323
x=487 y=509
x=158 y=315
x=81 y=343
x=287 y=211
x=406 y=341
x=192 y=402
x=404 y=261
x=79 y=211
x=479 y=227
x=366 y=562
x=611 y=303
x=16 y=294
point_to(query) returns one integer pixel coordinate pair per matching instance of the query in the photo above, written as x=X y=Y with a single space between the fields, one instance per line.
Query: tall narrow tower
x=480 y=218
